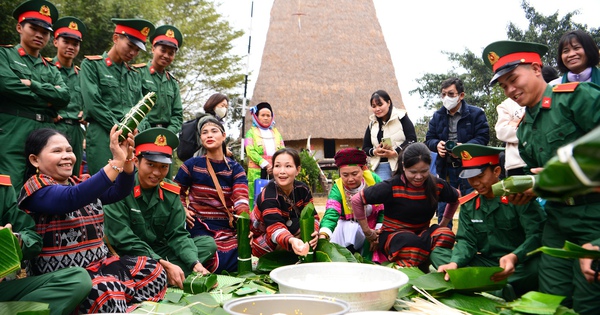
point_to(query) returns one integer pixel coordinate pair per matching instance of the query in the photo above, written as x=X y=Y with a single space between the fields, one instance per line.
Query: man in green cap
x=167 y=112
x=110 y=87
x=31 y=90
x=63 y=290
x=554 y=117
x=492 y=231
x=151 y=220
x=68 y=34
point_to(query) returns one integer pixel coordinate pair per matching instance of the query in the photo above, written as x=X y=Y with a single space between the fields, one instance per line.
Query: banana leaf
x=569 y=250
x=407 y=289
x=197 y=283
x=307 y=228
x=345 y=252
x=204 y=304
x=10 y=253
x=472 y=304
x=24 y=308
x=274 y=259
x=536 y=303
x=326 y=252
x=244 y=249
x=433 y=283
x=475 y=279
x=136 y=114
x=160 y=308
x=574 y=171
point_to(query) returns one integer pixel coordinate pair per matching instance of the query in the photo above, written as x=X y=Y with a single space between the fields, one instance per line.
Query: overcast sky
x=416 y=32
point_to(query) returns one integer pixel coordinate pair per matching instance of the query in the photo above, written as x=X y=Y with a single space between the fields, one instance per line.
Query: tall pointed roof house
x=321 y=62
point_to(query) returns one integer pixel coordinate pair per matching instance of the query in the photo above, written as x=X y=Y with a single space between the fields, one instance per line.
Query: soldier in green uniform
x=31 y=89
x=110 y=87
x=167 y=112
x=63 y=290
x=492 y=231
x=555 y=116
x=151 y=220
x=68 y=34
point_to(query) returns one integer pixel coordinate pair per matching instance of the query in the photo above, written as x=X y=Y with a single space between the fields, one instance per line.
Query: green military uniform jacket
x=71 y=78
x=494 y=228
x=43 y=96
x=168 y=111
x=22 y=223
x=150 y=223
x=561 y=117
x=109 y=90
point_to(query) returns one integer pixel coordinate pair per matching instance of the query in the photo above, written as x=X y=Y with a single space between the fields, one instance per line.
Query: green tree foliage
x=203 y=65
x=469 y=66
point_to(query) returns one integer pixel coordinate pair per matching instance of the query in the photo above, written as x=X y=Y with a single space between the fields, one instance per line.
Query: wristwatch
x=195 y=263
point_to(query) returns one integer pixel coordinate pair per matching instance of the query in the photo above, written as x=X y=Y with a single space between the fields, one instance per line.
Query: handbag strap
x=211 y=171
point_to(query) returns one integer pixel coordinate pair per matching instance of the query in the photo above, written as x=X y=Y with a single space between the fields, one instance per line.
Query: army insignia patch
x=145 y=31
x=493 y=57
x=73 y=26
x=546 y=102
x=44 y=10
x=161 y=141
x=170 y=33
x=465 y=156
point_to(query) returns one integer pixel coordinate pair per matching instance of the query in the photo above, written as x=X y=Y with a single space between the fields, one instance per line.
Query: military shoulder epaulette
x=93 y=57
x=77 y=68
x=464 y=199
x=171 y=76
x=5 y=180
x=138 y=65
x=565 y=87
x=174 y=188
x=7 y=46
x=48 y=59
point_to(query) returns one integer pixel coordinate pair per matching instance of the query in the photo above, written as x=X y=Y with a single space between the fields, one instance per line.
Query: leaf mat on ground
x=473 y=304
x=275 y=259
x=24 y=307
x=536 y=303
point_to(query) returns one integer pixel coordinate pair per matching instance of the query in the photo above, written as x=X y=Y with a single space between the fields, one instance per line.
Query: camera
x=450 y=144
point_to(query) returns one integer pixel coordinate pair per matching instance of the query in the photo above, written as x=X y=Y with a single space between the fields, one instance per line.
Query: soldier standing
x=68 y=35
x=110 y=87
x=31 y=90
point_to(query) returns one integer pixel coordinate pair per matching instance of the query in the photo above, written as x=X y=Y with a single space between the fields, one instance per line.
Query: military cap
x=504 y=56
x=70 y=27
x=167 y=35
x=156 y=144
x=476 y=157
x=137 y=30
x=39 y=12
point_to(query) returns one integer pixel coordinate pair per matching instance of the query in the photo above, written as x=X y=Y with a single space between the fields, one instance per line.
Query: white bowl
x=286 y=304
x=365 y=287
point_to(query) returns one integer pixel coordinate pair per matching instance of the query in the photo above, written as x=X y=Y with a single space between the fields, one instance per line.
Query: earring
x=37 y=170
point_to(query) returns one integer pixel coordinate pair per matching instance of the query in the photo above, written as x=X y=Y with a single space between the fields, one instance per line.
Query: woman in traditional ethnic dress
x=206 y=213
x=410 y=199
x=338 y=223
x=69 y=217
x=262 y=140
x=276 y=215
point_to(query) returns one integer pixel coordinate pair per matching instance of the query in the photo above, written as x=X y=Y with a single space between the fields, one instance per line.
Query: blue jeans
x=456 y=182
x=384 y=171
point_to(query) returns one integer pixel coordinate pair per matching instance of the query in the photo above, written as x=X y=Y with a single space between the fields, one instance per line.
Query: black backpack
x=188 y=139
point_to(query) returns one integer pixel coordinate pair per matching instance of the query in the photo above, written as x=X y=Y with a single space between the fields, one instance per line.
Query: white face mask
x=221 y=112
x=450 y=102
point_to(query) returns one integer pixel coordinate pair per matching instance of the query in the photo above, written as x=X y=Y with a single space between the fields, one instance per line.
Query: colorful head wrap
x=350 y=156
x=254 y=111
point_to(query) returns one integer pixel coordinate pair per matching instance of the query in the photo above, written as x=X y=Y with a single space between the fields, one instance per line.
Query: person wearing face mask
x=215 y=107
x=261 y=142
x=388 y=132
x=455 y=123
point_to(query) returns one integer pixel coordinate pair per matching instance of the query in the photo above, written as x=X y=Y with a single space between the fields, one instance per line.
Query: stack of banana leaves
x=575 y=170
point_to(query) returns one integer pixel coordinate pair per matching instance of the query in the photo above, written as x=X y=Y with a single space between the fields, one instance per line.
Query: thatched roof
x=321 y=62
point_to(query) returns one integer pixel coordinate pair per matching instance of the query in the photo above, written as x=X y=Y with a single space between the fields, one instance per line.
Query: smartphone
x=386 y=141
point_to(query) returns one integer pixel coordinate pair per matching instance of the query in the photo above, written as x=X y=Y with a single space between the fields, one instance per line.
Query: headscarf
x=350 y=156
x=254 y=111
